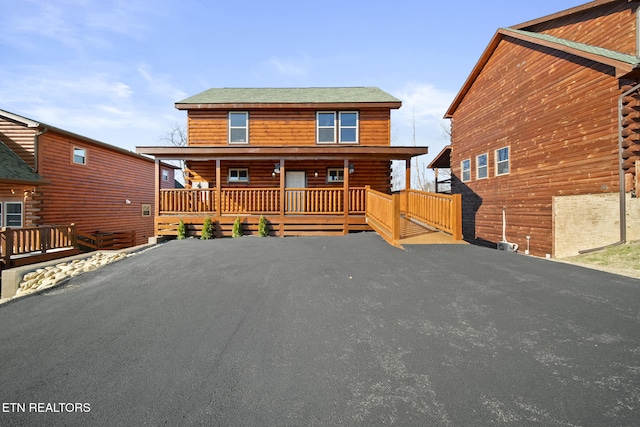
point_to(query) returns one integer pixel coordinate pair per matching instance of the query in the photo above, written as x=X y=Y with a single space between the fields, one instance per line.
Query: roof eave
x=276 y=106
x=356 y=152
x=567 y=12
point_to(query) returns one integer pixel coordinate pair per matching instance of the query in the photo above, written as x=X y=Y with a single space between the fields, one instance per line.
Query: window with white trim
x=238 y=127
x=340 y=127
x=335 y=175
x=482 y=166
x=146 y=210
x=238 y=175
x=502 y=161
x=11 y=215
x=165 y=175
x=465 y=166
x=79 y=156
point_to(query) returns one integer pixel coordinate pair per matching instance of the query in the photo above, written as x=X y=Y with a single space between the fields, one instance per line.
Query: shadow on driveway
x=328 y=331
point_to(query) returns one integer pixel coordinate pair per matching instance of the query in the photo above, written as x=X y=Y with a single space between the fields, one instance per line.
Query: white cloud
x=423 y=106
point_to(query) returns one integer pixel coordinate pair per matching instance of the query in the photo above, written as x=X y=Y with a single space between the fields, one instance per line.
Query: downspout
x=622 y=192
x=36 y=149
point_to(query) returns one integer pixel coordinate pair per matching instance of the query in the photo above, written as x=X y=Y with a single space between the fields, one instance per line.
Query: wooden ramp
x=415 y=233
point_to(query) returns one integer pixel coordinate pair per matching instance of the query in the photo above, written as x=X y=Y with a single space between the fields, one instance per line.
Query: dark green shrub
x=263 y=227
x=237 y=228
x=207 y=229
x=182 y=230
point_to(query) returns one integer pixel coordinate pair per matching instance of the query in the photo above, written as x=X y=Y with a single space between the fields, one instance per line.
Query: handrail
x=21 y=241
x=441 y=211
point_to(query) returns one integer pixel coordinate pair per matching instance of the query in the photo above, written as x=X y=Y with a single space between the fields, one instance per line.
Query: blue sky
x=112 y=70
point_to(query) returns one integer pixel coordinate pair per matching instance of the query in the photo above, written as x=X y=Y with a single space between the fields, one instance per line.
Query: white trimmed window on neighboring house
x=482 y=166
x=465 y=166
x=502 y=161
x=11 y=214
x=79 y=156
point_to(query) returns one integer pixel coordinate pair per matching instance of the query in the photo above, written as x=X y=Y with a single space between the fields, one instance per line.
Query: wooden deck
x=413 y=233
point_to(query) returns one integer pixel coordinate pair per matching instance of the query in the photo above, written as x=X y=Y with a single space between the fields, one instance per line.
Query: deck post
x=157 y=189
x=395 y=229
x=345 y=204
x=283 y=198
x=7 y=246
x=456 y=216
x=218 y=194
x=407 y=175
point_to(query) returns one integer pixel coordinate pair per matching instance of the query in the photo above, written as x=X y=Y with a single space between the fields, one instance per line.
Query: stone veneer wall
x=590 y=221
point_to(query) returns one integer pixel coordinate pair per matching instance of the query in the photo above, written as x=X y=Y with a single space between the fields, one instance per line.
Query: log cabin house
x=49 y=176
x=546 y=132
x=302 y=157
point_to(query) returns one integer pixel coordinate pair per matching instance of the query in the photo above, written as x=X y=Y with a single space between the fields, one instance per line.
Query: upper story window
x=165 y=175
x=238 y=175
x=502 y=161
x=337 y=127
x=79 y=156
x=238 y=127
x=482 y=166
x=465 y=165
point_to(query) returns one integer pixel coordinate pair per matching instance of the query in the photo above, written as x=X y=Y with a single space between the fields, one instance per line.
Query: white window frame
x=498 y=162
x=341 y=127
x=467 y=170
x=485 y=167
x=165 y=175
x=338 y=173
x=83 y=157
x=245 y=127
x=234 y=175
x=4 y=212
x=318 y=127
x=338 y=127
x=146 y=210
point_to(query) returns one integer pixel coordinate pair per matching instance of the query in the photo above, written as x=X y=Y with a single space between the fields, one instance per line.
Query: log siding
x=558 y=115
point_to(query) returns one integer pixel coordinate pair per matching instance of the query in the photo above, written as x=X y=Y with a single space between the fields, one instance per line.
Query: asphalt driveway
x=325 y=331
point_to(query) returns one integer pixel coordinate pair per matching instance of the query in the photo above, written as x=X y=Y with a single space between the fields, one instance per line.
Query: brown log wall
x=375 y=174
x=558 y=115
x=93 y=195
x=282 y=127
x=614 y=30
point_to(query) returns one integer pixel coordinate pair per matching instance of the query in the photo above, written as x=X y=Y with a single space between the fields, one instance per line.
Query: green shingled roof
x=606 y=53
x=313 y=95
x=13 y=168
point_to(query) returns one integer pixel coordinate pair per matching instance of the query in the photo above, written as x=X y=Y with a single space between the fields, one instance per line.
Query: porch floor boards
x=414 y=233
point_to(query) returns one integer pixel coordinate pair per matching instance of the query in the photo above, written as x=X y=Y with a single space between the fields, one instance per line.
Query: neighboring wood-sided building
x=49 y=176
x=302 y=157
x=536 y=130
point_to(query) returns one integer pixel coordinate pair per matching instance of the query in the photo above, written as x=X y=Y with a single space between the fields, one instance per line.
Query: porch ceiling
x=358 y=152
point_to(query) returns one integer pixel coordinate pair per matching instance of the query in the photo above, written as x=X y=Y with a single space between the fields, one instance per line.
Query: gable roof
x=225 y=97
x=43 y=127
x=13 y=170
x=622 y=63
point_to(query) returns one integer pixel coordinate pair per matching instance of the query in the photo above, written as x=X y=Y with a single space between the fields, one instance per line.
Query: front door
x=295 y=198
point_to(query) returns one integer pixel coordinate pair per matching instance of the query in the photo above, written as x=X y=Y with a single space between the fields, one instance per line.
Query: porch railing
x=298 y=201
x=441 y=211
x=35 y=240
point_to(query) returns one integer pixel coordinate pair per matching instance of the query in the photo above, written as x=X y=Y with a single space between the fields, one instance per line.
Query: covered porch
x=312 y=205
